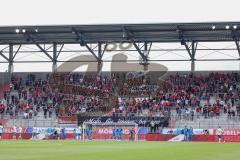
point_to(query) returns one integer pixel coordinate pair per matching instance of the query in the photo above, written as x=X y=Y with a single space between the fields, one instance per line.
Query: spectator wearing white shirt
x=20 y=130
x=58 y=132
x=34 y=133
x=219 y=134
x=79 y=133
x=1 y=131
x=14 y=132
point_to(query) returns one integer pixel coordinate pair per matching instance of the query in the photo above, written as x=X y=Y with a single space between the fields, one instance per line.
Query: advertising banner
x=229 y=132
x=140 y=121
x=195 y=131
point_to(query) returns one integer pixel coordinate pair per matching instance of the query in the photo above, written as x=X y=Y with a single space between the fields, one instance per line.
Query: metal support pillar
x=238 y=47
x=99 y=66
x=194 y=46
x=192 y=65
x=54 y=65
x=10 y=62
x=191 y=52
x=143 y=54
x=145 y=64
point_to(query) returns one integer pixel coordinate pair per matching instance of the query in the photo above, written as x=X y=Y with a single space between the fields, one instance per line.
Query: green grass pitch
x=115 y=150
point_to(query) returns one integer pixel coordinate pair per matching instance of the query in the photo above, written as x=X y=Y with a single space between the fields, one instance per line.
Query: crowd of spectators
x=219 y=92
x=30 y=96
x=189 y=95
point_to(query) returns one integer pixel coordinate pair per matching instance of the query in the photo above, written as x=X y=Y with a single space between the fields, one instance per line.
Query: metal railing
x=19 y=120
x=209 y=124
x=31 y=122
x=199 y=121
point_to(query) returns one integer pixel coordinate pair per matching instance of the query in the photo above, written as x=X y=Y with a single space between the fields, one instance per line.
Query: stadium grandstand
x=129 y=82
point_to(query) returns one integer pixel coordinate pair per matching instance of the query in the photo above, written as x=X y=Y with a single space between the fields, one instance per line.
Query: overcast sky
x=42 y=12
x=53 y=12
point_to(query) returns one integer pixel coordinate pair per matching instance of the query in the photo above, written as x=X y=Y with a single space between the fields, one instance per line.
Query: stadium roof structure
x=163 y=32
x=188 y=34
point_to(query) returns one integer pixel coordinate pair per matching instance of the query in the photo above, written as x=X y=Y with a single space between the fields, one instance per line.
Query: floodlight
x=17 y=30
